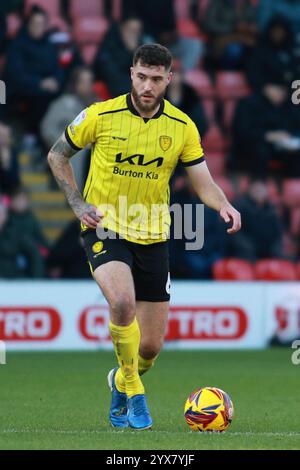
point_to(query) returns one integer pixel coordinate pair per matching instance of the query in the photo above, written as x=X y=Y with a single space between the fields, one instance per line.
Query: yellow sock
x=143 y=366
x=126 y=340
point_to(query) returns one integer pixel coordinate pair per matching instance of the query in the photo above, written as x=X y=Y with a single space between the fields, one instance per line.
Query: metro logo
x=94 y=322
x=29 y=323
x=185 y=323
x=206 y=323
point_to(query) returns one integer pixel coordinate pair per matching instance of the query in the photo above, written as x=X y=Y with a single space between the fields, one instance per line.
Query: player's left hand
x=229 y=213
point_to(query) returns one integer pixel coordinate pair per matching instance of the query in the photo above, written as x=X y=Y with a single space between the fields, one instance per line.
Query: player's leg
x=110 y=261
x=115 y=280
x=152 y=318
x=152 y=284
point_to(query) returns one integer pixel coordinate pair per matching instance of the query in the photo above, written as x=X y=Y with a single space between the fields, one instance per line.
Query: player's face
x=149 y=85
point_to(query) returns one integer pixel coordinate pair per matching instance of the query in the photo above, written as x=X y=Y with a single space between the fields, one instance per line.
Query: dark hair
x=153 y=54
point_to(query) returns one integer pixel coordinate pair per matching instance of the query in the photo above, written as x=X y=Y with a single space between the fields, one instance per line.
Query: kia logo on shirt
x=29 y=323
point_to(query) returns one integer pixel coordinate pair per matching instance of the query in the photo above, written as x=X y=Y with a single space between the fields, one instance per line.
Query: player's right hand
x=89 y=215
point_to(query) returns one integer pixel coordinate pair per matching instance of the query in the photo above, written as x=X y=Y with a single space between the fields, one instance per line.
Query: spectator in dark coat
x=262 y=232
x=194 y=264
x=114 y=57
x=67 y=258
x=32 y=73
x=266 y=133
x=232 y=29
x=19 y=255
x=276 y=56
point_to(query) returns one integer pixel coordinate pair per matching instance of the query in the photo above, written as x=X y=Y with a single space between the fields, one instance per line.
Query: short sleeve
x=83 y=130
x=192 y=152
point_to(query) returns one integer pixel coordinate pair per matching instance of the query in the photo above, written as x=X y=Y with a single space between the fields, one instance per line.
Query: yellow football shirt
x=132 y=160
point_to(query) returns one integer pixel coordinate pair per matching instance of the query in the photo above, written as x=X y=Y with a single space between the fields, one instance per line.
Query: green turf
x=60 y=401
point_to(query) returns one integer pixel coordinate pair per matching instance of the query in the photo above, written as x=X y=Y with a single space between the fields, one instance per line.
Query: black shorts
x=149 y=264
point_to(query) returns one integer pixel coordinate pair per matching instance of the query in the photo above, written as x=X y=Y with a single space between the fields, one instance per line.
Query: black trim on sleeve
x=194 y=162
x=175 y=118
x=70 y=141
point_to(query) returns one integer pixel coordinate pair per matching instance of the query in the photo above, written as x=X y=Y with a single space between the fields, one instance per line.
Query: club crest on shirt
x=165 y=142
x=97 y=247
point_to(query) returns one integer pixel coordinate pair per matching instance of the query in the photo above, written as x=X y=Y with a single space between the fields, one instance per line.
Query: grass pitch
x=61 y=400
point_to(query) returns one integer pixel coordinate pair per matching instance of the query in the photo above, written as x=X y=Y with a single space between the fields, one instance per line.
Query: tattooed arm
x=59 y=161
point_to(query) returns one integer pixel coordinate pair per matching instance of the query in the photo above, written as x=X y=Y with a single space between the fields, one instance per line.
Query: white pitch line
x=111 y=431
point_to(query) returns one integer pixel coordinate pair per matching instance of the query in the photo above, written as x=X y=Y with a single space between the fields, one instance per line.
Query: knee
x=150 y=349
x=122 y=309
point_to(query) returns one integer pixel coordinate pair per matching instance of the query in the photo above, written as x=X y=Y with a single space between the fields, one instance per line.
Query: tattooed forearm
x=61 y=147
x=58 y=159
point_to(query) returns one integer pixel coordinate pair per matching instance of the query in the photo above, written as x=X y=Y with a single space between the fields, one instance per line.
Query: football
x=208 y=409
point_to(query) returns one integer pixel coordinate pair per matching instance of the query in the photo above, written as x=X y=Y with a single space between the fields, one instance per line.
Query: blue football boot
x=138 y=414
x=118 y=407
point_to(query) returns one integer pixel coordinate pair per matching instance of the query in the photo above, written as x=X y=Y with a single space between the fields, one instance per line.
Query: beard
x=144 y=107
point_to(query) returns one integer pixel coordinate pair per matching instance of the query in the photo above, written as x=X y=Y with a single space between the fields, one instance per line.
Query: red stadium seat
x=117 y=10
x=13 y=23
x=232 y=85
x=52 y=7
x=201 y=82
x=216 y=163
x=214 y=140
x=182 y=9
x=291 y=192
x=275 y=270
x=233 y=269
x=209 y=108
x=90 y=29
x=295 y=221
x=298 y=270
x=202 y=8
x=88 y=52
x=226 y=185
x=187 y=28
x=91 y=8
x=101 y=90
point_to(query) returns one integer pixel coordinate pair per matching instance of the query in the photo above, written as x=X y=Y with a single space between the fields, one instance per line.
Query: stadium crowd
x=234 y=65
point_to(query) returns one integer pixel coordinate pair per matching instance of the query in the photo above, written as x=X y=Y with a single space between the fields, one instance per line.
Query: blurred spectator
x=67 y=258
x=9 y=170
x=232 y=29
x=183 y=96
x=69 y=56
x=195 y=264
x=78 y=95
x=261 y=234
x=5 y=9
x=290 y=9
x=33 y=74
x=24 y=222
x=266 y=133
x=276 y=56
x=18 y=252
x=162 y=28
x=114 y=57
